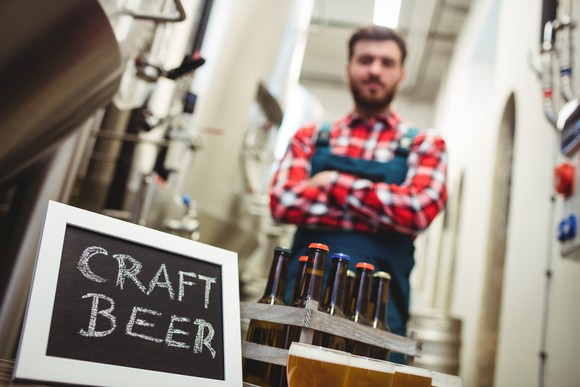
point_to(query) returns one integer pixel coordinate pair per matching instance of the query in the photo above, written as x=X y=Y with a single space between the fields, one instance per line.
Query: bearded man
x=367 y=184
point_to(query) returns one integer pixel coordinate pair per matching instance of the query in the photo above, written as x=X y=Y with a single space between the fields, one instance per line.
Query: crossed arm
x=340 y=200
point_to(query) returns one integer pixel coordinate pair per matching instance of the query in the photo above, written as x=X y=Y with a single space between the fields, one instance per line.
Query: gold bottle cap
x=382 y=274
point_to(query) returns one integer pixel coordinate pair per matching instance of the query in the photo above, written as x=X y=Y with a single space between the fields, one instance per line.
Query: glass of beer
x=407 y=376
x=313 y=366
x=368 y=372
x=445 y=380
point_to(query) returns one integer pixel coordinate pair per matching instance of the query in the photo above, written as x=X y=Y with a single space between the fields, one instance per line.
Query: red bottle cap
x=365 y=265
x=303 y=258
x=320 y=246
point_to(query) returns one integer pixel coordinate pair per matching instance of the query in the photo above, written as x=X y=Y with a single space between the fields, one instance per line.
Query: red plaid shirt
x=352 y=203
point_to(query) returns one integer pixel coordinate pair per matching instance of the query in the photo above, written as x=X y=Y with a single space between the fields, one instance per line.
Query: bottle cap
x=303 y=258
x=365 y=265
x=320 y=246
x=341 y=256
x=279 y=249
x=382 y=274
x=350 y=273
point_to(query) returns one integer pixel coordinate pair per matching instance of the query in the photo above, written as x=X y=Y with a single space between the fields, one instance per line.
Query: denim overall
x=387 y=250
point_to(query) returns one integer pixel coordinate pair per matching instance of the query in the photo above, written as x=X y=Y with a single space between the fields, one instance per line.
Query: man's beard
x=372 y=104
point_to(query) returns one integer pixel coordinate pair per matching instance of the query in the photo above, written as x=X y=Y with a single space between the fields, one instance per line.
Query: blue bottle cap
x=341 y=256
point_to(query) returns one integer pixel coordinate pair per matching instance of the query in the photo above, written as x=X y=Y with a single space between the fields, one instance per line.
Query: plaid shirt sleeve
x=407 y=208
x=291 y=199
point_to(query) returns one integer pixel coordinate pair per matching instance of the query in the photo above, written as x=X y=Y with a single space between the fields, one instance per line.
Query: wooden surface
x=310 y=318
x=7 y=366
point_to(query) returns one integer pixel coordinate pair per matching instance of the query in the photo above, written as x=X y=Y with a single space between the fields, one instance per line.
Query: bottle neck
x=380 y=297
x=276 y=285
x=298 y=282
x=311 y=288
x=359 y=311
x=335 y=292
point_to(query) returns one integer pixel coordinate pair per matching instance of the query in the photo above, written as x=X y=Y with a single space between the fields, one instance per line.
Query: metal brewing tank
x=59 y=63
x=440 y=334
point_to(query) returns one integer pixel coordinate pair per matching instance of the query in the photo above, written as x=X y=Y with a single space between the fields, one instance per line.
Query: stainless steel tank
x=59 y=63
x=441 y=337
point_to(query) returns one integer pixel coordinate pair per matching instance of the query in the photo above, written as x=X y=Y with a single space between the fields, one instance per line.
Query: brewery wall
x=490 y=79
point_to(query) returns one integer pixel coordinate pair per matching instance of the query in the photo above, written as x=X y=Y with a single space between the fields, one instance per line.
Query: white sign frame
x=33 y=364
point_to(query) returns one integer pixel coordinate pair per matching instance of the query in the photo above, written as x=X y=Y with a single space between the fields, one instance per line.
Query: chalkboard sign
x=114 y=303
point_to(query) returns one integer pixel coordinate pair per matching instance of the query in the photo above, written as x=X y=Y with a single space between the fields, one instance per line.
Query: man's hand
x=321 y=179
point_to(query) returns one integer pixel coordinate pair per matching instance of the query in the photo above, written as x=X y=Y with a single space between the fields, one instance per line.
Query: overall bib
x=387 y=250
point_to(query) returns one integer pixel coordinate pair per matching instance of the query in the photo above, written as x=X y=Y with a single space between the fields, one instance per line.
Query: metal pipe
x=156 y=17
x=202 y=23
x=564 y=49
x=546 y=74
x=548 y=16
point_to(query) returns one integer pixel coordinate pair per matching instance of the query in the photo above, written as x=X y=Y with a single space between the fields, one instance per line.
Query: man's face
x=374 y=73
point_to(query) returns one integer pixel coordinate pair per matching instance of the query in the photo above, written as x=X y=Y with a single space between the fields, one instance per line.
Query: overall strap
x=405 y=142
x=323 y=138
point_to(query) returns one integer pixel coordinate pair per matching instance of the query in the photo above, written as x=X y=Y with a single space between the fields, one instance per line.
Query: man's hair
x=374 y=32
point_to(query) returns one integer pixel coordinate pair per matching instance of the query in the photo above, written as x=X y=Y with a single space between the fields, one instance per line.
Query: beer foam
x=314 y=352
x=413 y=371
x=445 y=380
x=372 y=364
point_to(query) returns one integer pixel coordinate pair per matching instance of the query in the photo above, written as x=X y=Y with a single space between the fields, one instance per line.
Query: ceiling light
x=387 y=13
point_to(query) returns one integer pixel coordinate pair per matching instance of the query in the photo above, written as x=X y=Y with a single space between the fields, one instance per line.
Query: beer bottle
x=379 y=302
x=299 y=277
x=350 y=276
x=359 y=304
x=310 y=288
x=268 y=333
x=334 y=295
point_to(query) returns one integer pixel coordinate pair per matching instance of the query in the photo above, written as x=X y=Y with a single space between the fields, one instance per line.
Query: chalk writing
x=135 y=268
x=134 y=305
x=91 y=332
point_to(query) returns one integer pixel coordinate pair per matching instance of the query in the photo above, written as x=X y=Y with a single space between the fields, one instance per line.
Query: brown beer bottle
x=350 y=277
x=359 y=304
x=310 y=288
x=379 y=302
x=268 y=333
x=299 y=277
x=334 y=296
